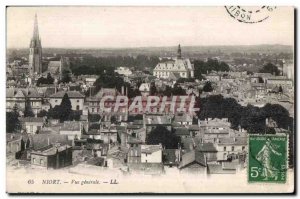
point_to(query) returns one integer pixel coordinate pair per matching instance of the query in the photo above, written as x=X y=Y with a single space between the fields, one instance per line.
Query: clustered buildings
x=118 y=140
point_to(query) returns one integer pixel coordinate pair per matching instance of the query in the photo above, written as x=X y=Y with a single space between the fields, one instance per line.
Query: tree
x=270 y=68
x=28 y=109
x=42 y=80
x=202 y=67
x=42 y=113
x=161 y=135
x=66 y=78
x=94 y=117
x=50 y=79
x=54 y=112
x=177 y=90
x=207 y=87
x=65 y=108
x=153 y=89
x=12 y=120
x=251 y=118
x=183 y=80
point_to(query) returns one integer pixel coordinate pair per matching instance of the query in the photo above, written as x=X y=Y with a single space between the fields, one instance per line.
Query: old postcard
x=150 y=99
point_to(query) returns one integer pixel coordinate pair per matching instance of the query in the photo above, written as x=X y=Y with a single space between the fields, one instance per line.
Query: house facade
x=76 y=98
x=52 y=156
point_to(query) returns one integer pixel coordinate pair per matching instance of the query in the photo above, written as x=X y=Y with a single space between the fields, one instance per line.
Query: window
x=224 y=148
x=77 y=107
x=77 y=100
x=31 y=128
x=243 y=148
x=41 y=162
x=232 y=148
x=33 y=160
x=55 y=100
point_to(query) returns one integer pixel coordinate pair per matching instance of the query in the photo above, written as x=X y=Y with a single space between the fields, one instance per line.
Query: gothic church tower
x=35 y=51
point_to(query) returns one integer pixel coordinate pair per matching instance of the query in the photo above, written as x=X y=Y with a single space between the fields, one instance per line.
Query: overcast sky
x=101 y=27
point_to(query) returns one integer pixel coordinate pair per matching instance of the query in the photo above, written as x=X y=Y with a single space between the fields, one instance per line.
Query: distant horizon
x=174 y=46
x=144 y=27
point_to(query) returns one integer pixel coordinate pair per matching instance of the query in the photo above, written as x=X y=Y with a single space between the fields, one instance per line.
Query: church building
x=35 y=51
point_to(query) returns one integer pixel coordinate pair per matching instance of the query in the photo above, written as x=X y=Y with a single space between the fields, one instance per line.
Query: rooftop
x=50 y=149
x=192 y=156
x=71 y=94
x=31 y=119
x=150 y=148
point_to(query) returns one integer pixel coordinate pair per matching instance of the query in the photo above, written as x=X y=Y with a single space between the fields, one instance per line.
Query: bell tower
x=179 y=52
x=35 y=50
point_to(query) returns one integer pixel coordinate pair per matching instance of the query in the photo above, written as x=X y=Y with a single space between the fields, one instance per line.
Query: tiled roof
x=42 y=140
x=22 y=92
x=233 y=141
x=192 y=156
x=50 y=149
x=31 y=119
x=71 y=94
x=182 y=131
x=15 y=136
x=207 y=147
x=71 y=126
x=150 y=148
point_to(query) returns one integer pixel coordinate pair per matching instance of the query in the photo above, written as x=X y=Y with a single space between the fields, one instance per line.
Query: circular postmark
x=250 y=15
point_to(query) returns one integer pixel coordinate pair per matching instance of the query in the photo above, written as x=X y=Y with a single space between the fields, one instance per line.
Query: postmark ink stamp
x=267 y=158
x=250 y=15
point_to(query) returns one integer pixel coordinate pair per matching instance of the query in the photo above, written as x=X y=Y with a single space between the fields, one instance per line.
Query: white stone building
x=151 y=153
x=76 y=98
x=178 y=68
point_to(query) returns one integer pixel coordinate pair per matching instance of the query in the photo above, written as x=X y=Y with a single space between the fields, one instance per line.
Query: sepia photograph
x=150 y=99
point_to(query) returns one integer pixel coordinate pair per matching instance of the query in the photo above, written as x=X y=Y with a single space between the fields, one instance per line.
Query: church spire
x=179 y=52
x=36 y=28
x=35 y=40
x=35 y=50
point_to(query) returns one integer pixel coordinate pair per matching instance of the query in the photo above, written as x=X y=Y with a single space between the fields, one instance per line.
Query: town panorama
x=127 y=110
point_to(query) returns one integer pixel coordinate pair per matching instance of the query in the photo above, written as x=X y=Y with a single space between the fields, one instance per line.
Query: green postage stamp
x=268 y=158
